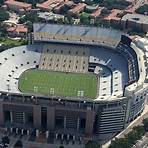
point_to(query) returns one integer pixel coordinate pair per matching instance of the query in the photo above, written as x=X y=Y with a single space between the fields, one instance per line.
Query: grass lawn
x=59 y=83
x=12 y=43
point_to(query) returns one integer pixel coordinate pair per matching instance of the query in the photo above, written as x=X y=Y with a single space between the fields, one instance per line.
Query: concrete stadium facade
x=76 y=118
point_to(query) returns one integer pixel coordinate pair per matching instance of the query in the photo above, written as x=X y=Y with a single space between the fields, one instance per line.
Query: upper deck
x=76 y=34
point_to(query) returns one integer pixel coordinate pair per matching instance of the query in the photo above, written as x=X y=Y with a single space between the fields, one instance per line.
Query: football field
x=58 y=83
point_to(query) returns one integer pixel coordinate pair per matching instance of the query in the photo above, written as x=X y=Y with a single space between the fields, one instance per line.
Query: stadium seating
x=113 y=70
x=14 y=62
x=66 y=58
x=113 y=75
x=63 y=33
x=131 y=57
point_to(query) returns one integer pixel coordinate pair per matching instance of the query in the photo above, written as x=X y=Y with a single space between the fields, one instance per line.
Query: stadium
x=73 y=83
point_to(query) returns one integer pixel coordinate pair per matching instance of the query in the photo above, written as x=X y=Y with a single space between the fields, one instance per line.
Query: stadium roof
x=48 y=32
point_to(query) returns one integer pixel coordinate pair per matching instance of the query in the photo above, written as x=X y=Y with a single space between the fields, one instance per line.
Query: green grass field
x=59 y=83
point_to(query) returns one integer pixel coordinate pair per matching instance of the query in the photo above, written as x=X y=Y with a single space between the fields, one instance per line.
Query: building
x=18 y=30
x=108 y=54
x=18 y=6
x=97 y=12
x=67 y=4
x=49 y=16
x=113 y=15
x=136 y=21
x=49 y=4
x=91 y=9
x=77 y=9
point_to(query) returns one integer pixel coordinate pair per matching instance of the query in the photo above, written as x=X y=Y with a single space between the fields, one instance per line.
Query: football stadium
x=72 y=83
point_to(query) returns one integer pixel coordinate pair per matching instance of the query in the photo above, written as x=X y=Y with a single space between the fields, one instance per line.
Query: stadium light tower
x=52 y=93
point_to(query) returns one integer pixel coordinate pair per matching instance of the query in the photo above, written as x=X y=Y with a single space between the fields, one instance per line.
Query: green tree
x=5 y=140
x=4 y=15
x=119 y=143
x=3 y=30
x=68 y=20
x=92 y=144
x=140 y=131
x=84 y=18
x=18 y=144
x=29 y=16
x=1 y=2
x=29 y=19
x=145 y=123
x=115 y=4
x=132 y=137
x=29 y=26
x=143 y=9
x=98 y=1
x=22 y=20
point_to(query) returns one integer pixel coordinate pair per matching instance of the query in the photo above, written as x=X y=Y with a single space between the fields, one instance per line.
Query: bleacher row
x=56 y=32
x=66 y=58
x=113 y=72
x=104 y=82
x=49 y=37
x=13 y=62
x=110 y=65
x=131 y=57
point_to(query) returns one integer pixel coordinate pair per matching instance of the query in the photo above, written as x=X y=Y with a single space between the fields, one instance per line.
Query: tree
x=84 y=18
x=140 y=130
x=143 y=9
x=5 y=140
x=132 y=137
x=29 y=19
x=92 y=144
x=68 y=20
x=22 y=20
x=4 y=15
x=119 y=143
x=29 y=26
x=115 y=4
x=18 y=144
x=98 y=1
x=3 y=30
x=29 y=16
x=145 y=123
x=1 y=2
x=76 y=1
x=64 y=10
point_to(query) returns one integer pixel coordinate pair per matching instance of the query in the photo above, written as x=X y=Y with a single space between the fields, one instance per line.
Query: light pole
x=52 y=93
